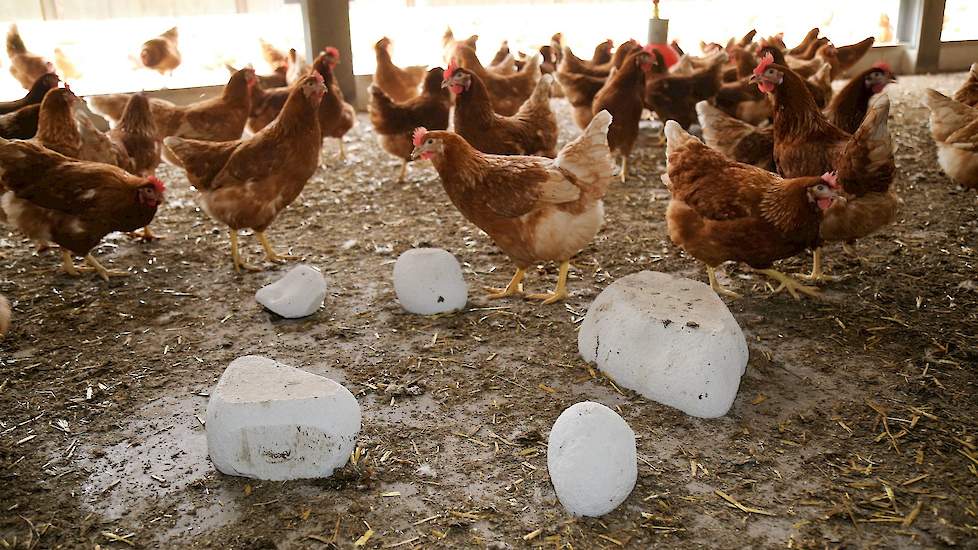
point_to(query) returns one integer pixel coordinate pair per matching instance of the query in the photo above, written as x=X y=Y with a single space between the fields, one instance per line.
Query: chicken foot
x=817 y=275
x=342 y=150
x=68 y=264
x=789 y=283
x=560 y=292
x=711 y=272
x=514 y=288
x=69 y=267
x=239 y=264
x=270 y=253
x=101 y=270
x=146 y=235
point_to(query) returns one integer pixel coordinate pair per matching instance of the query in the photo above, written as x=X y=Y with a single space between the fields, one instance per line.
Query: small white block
x=669 y=338
x=271 y=421
x=591 y=459
x=429 y=281
x=300 y=293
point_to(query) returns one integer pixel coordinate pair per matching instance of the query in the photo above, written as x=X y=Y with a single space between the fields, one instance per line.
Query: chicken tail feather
x=719 y=128
x=588 y=157
x=15 y=44
x=867 y=162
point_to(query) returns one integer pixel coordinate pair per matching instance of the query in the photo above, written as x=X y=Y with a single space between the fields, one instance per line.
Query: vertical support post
x=49 y=10
x=327 y=23
x=921 y=22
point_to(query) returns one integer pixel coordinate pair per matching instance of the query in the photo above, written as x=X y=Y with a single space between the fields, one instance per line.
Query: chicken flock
x=785 y=164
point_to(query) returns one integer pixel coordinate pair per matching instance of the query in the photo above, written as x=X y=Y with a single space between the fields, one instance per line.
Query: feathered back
x=947 y=115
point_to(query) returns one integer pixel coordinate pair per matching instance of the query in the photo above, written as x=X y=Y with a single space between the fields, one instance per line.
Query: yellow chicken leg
x=342 y=150
x=515 y=286
x=400 y=179
x=817 y=274
x=239 y=264
x=68 y=264
x=789 y=283
x=624 y=168
x=270 y=252
x=101 y=270
x=715 y=285
x=560 y=292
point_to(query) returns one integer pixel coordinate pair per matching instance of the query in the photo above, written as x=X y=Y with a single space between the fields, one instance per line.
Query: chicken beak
x=445 y=84
x=415 y=153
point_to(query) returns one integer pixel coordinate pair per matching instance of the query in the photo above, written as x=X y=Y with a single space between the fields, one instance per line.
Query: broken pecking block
x=300 y=293
x=669 y=338
x=270 y=421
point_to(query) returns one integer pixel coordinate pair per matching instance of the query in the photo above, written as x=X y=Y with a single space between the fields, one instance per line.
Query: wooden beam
x=327 y=23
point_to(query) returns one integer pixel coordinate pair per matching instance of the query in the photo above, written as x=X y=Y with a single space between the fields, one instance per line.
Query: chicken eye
x=429 y=142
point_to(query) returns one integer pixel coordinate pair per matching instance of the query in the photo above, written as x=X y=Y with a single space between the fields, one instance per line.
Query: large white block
x=669 y=338
x=429 y=281
x=299 y=293
x=271 y=421
x=591 y=459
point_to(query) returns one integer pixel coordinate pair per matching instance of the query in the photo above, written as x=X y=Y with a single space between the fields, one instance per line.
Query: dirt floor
x=855 y=425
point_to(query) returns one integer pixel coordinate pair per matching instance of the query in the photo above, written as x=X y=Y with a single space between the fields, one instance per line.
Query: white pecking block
x=669 y=338
x=300 y=293
x=591 y=459
x=429 y=281
x=271 y=421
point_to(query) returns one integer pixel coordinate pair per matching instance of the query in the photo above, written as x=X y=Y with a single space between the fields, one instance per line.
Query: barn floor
x=104 y=386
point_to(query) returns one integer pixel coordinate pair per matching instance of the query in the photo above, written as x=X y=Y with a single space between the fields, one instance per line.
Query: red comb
x=419 y=134
x=332 y=52
x=157 y=184
x=883 y=66
x=452 y=67
x=763 y=65
x=831 y=179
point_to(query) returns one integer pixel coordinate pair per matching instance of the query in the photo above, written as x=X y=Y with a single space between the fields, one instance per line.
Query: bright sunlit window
x=96 y=44
x=416 y=30
x=960 y=20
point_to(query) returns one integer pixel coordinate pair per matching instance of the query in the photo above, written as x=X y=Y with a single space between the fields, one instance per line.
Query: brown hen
x=531 y=131
x=246 y=183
